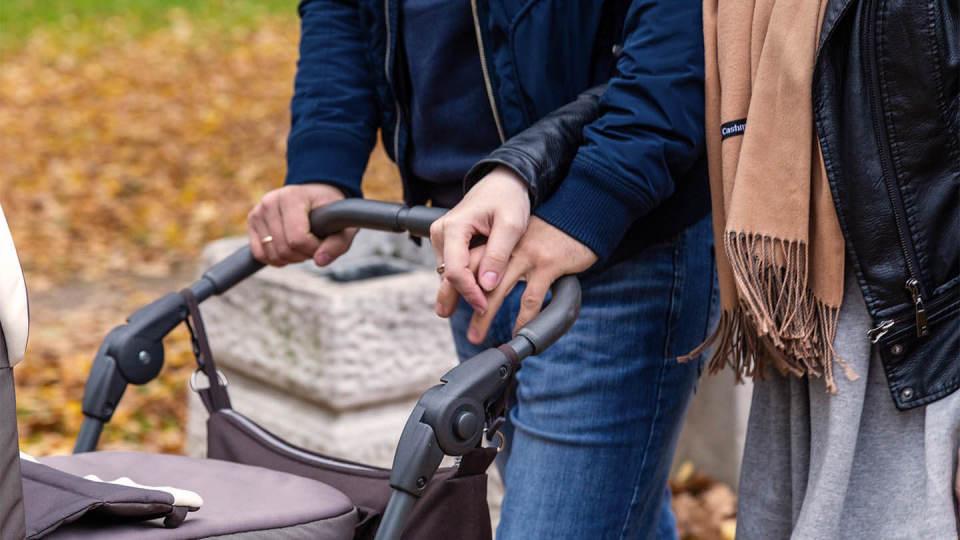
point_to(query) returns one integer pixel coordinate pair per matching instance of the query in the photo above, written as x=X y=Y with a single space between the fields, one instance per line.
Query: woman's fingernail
x=323 y=259
x=438 y=308
x=473 y=335
x=488 y=280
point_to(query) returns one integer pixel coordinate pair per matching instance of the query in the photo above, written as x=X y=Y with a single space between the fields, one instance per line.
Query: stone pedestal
x=332 y=360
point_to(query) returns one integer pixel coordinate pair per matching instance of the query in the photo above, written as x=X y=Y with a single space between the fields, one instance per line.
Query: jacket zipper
x=486 y=74
x=877 y=332
x=920 y=311
x=934 y=313
x=921 y=320
x=386 y=72
x=913 y=284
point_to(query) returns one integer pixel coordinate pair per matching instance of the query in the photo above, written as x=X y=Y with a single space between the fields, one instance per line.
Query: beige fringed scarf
x=781 y=266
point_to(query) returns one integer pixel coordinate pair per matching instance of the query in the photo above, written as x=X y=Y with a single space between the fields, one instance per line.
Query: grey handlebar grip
x=555 y=319
x=235 y=268
x=381 y=216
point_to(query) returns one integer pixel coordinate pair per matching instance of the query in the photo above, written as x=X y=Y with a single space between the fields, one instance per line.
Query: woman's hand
x=497 y=207
x=542 y=256
x=279 y=226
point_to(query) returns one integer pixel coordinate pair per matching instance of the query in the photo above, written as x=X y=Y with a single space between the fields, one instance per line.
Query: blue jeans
x=591 y=434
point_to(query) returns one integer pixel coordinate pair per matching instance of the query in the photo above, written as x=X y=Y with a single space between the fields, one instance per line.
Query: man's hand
x=497 y=207
x=279 y=226
x=543 y=255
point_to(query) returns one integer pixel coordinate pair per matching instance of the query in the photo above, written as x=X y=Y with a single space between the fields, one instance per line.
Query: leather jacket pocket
x=901 y=349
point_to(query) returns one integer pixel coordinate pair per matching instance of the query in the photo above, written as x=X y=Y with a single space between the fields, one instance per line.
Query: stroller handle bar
x=324 y=221
x=542 y=331
x=133 y=352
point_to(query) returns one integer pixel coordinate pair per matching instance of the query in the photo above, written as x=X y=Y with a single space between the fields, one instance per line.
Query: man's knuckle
x=542 y=256
x=300 y=242
x=523 y=259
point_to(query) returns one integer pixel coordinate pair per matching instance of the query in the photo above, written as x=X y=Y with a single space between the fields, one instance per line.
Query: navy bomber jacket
x=637 y=171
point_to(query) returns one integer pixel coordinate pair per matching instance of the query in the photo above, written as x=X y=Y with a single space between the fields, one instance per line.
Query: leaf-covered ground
x=123 y=155
x=128 y=142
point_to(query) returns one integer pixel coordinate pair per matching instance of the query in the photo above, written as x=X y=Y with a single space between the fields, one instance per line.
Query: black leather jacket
x=542 y=153
x=888 y=118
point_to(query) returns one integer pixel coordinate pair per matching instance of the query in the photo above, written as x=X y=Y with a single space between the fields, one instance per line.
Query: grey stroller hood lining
x=12 y=523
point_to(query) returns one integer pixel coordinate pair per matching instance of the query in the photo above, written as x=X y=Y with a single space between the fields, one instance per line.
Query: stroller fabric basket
x=252 y=483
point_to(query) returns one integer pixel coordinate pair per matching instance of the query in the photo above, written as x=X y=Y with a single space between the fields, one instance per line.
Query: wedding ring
x=441 y=269
x=266 y=239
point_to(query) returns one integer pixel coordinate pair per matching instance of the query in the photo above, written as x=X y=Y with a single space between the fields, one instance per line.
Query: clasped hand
x=518 y=247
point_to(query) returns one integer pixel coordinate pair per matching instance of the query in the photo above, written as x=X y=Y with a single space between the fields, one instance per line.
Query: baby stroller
x=253 y=484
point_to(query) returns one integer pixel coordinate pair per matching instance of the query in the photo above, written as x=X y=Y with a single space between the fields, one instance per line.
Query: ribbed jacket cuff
x=587 y=212
x=329 y=158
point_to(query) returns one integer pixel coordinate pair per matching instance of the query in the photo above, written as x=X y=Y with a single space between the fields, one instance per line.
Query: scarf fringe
x=778 y=321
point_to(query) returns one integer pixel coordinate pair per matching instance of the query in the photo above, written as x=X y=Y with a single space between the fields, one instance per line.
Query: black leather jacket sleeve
x=542 y=153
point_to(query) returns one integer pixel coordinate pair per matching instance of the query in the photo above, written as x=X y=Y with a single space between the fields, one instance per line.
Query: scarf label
x=733 y=128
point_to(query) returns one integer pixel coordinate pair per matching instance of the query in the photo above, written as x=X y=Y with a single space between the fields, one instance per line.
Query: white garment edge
x=14 y=307
x=181 y=497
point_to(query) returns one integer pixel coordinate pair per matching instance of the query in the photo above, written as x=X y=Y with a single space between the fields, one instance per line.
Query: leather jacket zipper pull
x=914 y=287
x=877 y=332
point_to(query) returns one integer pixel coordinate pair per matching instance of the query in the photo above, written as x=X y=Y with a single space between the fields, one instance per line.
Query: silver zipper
x=386 y=73
x=486 y=75
x=876 y=334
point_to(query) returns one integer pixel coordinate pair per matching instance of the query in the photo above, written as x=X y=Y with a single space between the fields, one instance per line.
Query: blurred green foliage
x=20 y=18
